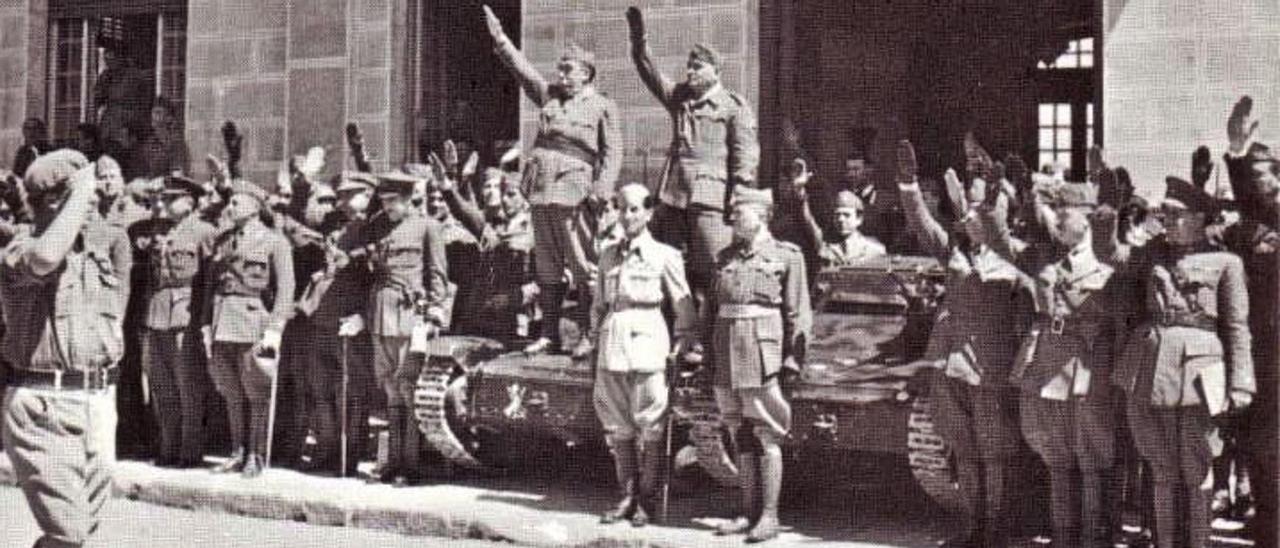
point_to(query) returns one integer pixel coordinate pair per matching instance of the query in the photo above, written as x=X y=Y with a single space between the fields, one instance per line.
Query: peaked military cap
x=396 y=182
x=848 y=200
x=181 y=184
x=1181 y=194
x=356 y=181
x=250 y=189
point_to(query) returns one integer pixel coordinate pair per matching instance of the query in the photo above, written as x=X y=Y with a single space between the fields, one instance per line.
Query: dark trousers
x=324 y=383
x=177 y=393
x=246 y=390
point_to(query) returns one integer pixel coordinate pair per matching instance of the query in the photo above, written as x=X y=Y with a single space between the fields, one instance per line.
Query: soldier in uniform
x=1067 y=409
x=975 y=339
x=63 y=301
x=637 y=276
x=1254 y=172
x=335 y=303
x=852 y=246
x=713 y=148
x=410 y=284
x=168 y=344
x=1187 y=362
x=576 y=156
x=251 y=271
x=757 y=320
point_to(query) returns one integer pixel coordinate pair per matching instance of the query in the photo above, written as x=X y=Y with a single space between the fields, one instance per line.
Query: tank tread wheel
x=429 y=407
x=930 y=459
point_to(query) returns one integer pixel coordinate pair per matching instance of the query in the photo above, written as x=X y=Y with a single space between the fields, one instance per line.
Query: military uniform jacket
x=713 y=142
x=408 y=262
x=636 y=277
x=1192 y=345
x=579 y=142
x=251 y=272
x=758 y=313
x=174 y=256
x=988 y=301
x=72 y=318
x=849 y=252
x=503 y=266
x=343 y=288
x=1080 y=312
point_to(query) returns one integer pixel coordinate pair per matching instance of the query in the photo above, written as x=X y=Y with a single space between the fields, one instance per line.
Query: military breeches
x=552 y=239
x=1173 y=440
x=698 y=230
x=630 y=405
x=395 y=370
x=1079 y=433
x=765 y=406
x=177 y=396
x=246 y=390
x=62 y=445
x=977 y=422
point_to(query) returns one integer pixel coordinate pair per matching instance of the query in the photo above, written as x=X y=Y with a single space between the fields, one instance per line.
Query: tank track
x=930 y=460
x=430 y=398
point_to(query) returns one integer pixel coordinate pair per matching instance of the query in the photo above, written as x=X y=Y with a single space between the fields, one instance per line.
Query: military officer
x=169 y=358
x=852 y=246
x=713 y=148
x=757 y=320
x=63 y=302
x=577 y=156
x=974 y=339
x=1067 y=407
x=243 y=323
x=637 y=276
x=1187 y=362
x=340 y=294
x=410 y=284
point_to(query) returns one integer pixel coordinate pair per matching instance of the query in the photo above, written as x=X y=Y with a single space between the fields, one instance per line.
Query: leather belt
x=1194 y=320
x=1060 y=325
x=568 y=147
x=746 y=311
x=98 y=379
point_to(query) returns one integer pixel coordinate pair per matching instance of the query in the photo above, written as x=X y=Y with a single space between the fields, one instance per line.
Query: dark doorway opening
x=464 y=91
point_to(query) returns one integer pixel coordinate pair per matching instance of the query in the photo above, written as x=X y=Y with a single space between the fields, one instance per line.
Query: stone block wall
x=22 y=23
x=291 y=73
x=1172 y=69
x=731 y=26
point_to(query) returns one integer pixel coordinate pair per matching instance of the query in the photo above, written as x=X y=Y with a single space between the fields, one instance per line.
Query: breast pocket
x=255 y=269
x=104 y=297
x=766 y=282
x=641 y=285
x=1202 y=290
x=182 y=264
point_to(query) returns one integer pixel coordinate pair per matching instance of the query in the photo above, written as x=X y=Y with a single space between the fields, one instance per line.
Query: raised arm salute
x=577 y=154
x=713 y=148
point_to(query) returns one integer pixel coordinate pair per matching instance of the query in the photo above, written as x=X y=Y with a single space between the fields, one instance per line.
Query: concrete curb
x=446 y=511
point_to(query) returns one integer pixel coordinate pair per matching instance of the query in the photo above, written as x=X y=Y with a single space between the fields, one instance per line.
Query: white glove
x=351 y=326
x=421 y=334
x=271 y=339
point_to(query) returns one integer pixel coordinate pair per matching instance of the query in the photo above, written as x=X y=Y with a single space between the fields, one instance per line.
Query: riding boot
x=771 y=489
x=395 y=444
x=411 y=451
x=1093 y=524
x=551 y=300
x=994 y=519
x=748 y=493
x=649 y=497
x=1198 y=515
x=969 y=475
x=1168 y=530
x=1063 y=509
x=624 y=463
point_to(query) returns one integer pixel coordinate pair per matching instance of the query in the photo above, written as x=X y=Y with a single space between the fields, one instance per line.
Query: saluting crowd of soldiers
x=1079 y=319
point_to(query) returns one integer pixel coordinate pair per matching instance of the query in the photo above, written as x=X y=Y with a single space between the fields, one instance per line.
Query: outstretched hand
x=635 y=21
x=907 y=165
x=1240 y=125
x=495 y=26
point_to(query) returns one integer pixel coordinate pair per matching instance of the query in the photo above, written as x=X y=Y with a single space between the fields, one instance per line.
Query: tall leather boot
x=969 y=475
x=649 y=497
x=551 y=300
x=625 y=466
x=995 y=520
x=1093 y=522
x=1168 y=532
x=770 y=490
x=395 y=444
x=1063 y=508
x=748 y=493
x=411 y=472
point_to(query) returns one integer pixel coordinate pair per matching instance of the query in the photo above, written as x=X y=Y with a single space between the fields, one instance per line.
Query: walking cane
x=672 y=366
x=342 y=414
x=271 y=407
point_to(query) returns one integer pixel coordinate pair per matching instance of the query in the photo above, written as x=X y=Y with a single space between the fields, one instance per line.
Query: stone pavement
x=523 y=511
